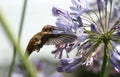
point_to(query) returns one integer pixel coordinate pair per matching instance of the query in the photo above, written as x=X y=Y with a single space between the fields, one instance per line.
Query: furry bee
x=46 y=37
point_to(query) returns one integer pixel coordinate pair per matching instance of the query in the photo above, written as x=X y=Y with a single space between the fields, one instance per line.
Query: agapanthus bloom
x=98 y=32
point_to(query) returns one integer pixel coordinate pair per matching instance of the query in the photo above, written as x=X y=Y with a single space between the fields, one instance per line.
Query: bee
x=46 y=37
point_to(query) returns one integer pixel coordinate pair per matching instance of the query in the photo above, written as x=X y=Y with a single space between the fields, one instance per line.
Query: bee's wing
x=60 y=38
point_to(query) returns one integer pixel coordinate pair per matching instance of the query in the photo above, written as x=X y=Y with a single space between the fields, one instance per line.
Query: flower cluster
x=97 y=26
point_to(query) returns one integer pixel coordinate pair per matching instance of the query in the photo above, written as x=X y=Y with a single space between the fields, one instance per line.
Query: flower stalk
x=105 y=60
x=19 y=36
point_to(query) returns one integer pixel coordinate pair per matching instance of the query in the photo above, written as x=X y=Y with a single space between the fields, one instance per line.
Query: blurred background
x=38 y=14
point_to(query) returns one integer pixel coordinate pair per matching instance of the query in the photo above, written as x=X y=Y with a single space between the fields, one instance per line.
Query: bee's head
x=48 y=28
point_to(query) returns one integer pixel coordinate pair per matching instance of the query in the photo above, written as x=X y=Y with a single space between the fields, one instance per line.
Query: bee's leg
x=38 y=48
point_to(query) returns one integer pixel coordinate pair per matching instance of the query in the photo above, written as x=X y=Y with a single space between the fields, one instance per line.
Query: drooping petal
x=72 y=68
x=69 y=65
x=70 y=61
x=59 y=50
x=115 y=60
x=57 y=11
x=115 y=56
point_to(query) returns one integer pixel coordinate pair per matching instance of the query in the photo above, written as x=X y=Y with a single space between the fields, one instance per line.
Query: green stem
x=110 y=14
x=101 y=22
x=19 y=36
x=12 y=63
x=104 y=64
x=31 y=70
x=22 y=19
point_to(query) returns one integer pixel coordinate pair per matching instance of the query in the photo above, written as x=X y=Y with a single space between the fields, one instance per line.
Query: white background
x=38 y=14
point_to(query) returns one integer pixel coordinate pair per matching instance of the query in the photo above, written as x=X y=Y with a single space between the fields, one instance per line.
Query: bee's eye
x=51 y=29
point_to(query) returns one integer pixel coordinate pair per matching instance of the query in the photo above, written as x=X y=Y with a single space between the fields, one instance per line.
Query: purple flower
x=94 y=39
x=60 y=48
x=115 y=60
x=60 y=12
x=57 y=11
x=67 y=24
x=69 y=65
